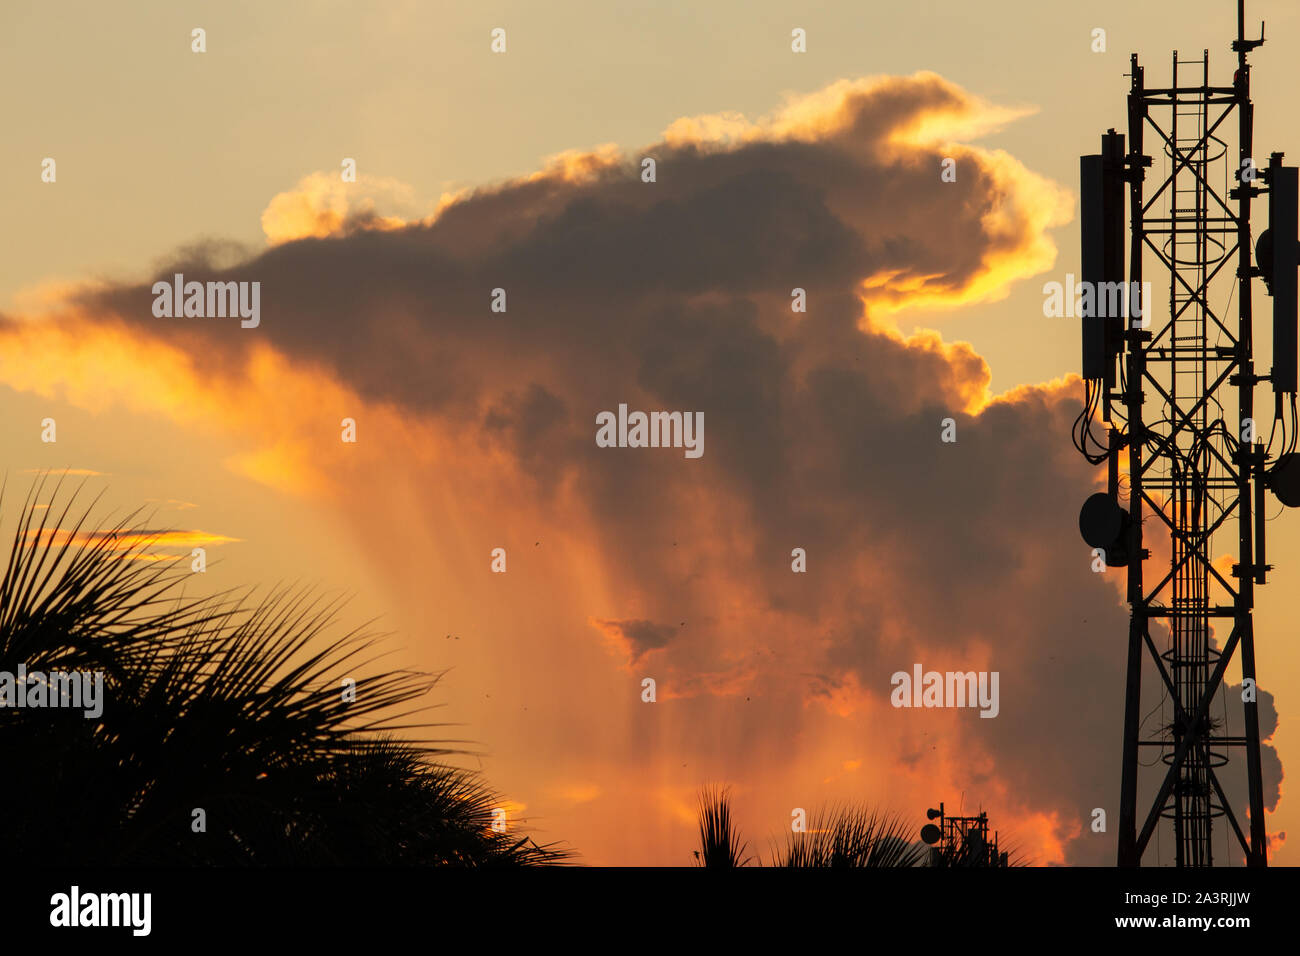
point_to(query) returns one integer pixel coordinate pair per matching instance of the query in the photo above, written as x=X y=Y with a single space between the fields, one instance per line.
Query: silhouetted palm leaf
x=216 y=704
x=720 y=843
x=852 y=836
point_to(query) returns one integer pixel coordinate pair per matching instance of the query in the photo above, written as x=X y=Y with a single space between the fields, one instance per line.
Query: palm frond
x=851 y=836
x=720 y=843
x=219 y=703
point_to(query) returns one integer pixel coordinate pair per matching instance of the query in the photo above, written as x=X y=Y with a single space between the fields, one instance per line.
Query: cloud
x=476 y=429
x=639 y=637
x=129 y=540
x=322 y=204
x=77 y=472
x=174 y=504
x=577 y=793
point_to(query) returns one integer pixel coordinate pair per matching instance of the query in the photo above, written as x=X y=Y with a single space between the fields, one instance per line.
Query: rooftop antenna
x=962 y=841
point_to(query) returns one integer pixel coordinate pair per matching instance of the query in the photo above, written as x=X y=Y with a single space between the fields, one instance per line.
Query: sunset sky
x=476 y=429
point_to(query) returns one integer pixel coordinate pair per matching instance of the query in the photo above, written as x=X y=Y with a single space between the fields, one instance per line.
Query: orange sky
x=475 y=431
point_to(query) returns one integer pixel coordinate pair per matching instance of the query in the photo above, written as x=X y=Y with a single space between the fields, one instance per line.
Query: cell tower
x=962 y=841
x=1167 y=389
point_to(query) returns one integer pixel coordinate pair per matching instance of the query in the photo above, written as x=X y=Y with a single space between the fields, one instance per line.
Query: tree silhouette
x=852 y=836
x=720 y=843
x=218 y=704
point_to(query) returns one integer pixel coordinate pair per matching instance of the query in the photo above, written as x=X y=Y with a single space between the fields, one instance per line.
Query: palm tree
x=720 y=843
x=217 y=705
x=851 y=836
x=854 y=836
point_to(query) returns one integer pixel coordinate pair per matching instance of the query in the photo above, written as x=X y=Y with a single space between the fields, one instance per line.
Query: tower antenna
x=1166 y=382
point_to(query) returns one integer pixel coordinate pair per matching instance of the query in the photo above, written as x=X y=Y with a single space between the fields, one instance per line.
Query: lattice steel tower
x=1177 y=391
